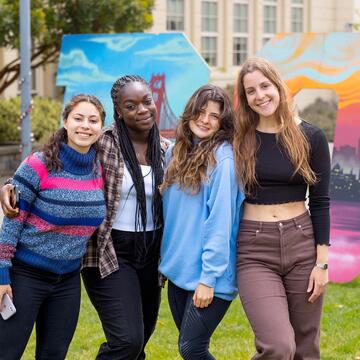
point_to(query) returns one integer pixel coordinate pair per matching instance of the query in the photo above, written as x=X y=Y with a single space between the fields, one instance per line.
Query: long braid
x=153 y=156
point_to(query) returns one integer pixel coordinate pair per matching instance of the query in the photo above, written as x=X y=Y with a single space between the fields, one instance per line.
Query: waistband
x=272 y=225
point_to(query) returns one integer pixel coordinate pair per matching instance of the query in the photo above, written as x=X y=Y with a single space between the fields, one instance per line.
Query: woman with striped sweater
x=61 y=205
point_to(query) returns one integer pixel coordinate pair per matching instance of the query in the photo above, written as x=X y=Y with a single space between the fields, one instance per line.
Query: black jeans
x=128 y=300
x=51 y=301
x=196 y=325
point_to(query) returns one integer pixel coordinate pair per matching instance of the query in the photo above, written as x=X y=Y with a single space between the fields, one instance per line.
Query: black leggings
x=127 y=301
x=196 y=325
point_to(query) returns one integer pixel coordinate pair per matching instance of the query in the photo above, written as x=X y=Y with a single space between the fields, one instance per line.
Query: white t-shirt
x=125 y=215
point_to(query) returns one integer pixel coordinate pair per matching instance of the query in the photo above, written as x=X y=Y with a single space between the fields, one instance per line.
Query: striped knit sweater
x=59 y=211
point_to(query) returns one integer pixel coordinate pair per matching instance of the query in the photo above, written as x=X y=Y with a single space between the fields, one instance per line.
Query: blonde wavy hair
x=290 y=137
x=191 y=158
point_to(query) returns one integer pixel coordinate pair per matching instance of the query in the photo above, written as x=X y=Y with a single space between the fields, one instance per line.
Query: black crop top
x=277 y=184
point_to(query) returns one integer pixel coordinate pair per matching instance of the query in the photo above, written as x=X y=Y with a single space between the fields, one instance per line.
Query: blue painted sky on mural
x=91 y=63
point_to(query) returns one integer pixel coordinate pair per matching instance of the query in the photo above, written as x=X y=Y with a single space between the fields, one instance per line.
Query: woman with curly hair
x=282 y=247
x=202 y=205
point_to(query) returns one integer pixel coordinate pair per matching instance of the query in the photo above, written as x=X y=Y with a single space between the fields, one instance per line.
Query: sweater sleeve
x=27 y=180
x=319 y=199
x=222 y=208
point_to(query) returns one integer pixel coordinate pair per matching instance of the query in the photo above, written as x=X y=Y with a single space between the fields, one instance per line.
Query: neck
x=269 y=125
x=139 y=137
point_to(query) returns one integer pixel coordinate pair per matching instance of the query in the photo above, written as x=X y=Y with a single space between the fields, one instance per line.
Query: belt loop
x=260 y=226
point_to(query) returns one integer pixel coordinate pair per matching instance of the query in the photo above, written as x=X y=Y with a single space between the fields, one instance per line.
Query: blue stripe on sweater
x=70 y=203
x=55 y=220
x=88 y=221
x=23 y=181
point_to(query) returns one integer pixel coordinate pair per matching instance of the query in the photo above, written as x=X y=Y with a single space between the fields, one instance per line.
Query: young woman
x=282 y=250
x=202 y=205
x=41 y=249
x=121 y=265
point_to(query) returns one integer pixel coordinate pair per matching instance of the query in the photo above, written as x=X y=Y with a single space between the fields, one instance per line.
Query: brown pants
x=274 y=262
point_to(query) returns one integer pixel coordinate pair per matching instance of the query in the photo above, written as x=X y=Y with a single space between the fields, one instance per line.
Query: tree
x=321 y=113
x=50 y=19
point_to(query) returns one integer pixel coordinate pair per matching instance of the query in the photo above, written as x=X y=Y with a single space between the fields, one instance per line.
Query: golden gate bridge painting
x=166 y=117
x=90 y=63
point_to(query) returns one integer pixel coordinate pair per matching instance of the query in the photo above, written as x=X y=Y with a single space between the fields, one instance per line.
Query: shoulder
x=224 y=151
x=165 y=143
x=311 y=130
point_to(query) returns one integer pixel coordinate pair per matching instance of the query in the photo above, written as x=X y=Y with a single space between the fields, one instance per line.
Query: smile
x=149 y=118
x=84 y=135
x=263 y=104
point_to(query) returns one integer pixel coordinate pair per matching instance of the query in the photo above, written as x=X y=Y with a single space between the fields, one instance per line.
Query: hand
x=7 y=197
x=317 y=283
x=5 y=289
x=203 y=296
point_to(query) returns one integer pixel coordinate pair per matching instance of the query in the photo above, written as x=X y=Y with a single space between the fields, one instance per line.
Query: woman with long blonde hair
x=282 y=248
x=202 y=205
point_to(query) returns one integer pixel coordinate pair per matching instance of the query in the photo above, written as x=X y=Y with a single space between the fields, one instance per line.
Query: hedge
x=45 y=119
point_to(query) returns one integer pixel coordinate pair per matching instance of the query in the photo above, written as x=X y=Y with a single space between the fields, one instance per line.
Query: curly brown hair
x=51 y=148
x=190 y=160
x=290 y=136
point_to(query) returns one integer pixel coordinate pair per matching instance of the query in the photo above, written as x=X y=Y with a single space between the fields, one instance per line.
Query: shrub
x=45 y=119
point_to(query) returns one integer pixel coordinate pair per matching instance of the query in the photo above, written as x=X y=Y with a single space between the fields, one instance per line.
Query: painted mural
x=331 y=61
x=91 y=63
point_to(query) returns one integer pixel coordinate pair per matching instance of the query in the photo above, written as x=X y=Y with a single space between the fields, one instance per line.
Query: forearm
x=322 y=254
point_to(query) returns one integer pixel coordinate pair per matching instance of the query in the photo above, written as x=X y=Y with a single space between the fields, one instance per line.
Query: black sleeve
x=319 y=199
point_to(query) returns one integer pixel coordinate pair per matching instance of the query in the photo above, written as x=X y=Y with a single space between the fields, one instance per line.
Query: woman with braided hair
x=120 y=267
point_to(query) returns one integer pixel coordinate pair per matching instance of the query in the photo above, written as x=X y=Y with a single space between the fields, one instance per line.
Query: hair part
x=290 y=137
x=190 y=161
x=51 y=148
x=153 y=156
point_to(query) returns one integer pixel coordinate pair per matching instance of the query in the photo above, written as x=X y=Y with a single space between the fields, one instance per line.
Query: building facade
x=226 y=32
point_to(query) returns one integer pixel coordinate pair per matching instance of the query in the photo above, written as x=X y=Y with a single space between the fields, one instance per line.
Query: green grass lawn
x=233 y=339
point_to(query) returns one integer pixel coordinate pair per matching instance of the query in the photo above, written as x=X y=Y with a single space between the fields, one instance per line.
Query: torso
x=273 y=212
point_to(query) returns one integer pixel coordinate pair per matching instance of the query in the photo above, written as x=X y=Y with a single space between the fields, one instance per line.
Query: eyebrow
x=92 y=115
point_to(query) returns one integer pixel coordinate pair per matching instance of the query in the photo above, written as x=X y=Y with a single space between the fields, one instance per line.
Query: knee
x=191 y=350
x=134 y=346
x=283 y=349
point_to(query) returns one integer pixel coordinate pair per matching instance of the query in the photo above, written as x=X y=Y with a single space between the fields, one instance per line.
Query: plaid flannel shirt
x=100 y=249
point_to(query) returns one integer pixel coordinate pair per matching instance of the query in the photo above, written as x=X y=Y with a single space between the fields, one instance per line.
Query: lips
x=145 y=120
x=264 y=104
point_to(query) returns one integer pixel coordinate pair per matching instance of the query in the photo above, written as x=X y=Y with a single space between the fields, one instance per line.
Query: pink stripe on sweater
x=72 y=230
x=34 y=162
x=70 y=184
x=47 y=182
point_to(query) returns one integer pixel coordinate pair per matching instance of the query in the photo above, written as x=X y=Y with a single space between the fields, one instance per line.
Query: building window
x=240 y=18
x=209 y=49
x=270 y=19
x=209 y=19
x=240 y=30
x=209 y=16
x=175 y=15
x=297 y=15
x=240 y=50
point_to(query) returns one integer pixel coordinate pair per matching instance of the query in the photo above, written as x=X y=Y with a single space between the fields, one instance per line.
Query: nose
x=259 y=93
x=204 y=118
x=142 y=108
x=85 y=124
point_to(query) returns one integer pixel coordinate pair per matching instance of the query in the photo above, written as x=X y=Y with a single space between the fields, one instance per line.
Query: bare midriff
x=273 y=212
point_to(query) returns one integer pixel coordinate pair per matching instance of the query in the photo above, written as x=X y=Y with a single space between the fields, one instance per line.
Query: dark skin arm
x=7 y=198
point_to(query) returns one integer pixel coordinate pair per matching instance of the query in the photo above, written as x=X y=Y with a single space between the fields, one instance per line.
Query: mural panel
x=331 y=61
x=90 y=63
